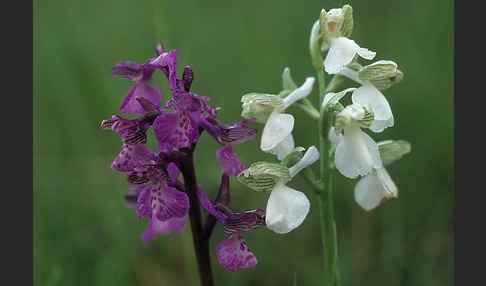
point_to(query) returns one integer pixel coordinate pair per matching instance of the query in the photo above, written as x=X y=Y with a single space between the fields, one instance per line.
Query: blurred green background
x=84 y=234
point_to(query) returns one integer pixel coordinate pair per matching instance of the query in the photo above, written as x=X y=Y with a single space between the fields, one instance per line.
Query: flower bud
x=260 y=106
x=393 y=150
x=263 y=176
x=382 y=74
x=336 y=23
x=288 y=81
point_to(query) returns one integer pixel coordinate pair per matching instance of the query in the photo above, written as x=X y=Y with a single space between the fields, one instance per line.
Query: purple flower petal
x=174 y=130
x=141 y=89
x=159 y=49
x=128 y=70
x=131 y=131
x=173 y=171
x=187 y=77
x=234 y=254
x=244 y=222
x=131 y=197
x=228 y=159
x=172 y=64
x=163 y=227
x=208 y=206
x=165 y=206
x=132 y=156
x=238 y=132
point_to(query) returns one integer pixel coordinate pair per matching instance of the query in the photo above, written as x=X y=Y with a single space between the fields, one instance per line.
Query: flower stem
x=328 y=226
x=201 y=244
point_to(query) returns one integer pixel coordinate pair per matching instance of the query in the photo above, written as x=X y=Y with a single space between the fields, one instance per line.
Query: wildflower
x=336 y=27
x=286 y=207
x=164 y=206
x=142 y=75
x=133 y=131
x=233 y=252
x=373 y=78
x=376 y=187
x=356 y=152
x=277 y=136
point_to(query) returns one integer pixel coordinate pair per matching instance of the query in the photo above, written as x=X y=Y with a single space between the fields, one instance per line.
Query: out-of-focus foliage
x=84 y=234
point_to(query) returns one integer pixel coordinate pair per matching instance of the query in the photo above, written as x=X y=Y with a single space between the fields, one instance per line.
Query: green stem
x=328 y=229
x=307 y=106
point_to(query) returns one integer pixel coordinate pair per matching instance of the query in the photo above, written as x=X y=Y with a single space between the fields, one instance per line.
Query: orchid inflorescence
x=156 y=192
x=159 y=195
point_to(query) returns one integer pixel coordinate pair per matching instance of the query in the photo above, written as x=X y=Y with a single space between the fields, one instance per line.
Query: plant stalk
x=201 y=243
x=328 y=228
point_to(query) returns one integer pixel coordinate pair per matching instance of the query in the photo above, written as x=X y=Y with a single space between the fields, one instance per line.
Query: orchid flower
x=376 y=187
x=277 y=136
x=233 y=252
x=356 y=153
x=373 y=78
x=164 y=206
x=336 y=27
x=286 y=207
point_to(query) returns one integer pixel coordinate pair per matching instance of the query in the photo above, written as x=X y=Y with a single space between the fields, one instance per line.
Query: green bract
x=393 y=150
x=382 y=74
x=260 y=106
x=263 y=176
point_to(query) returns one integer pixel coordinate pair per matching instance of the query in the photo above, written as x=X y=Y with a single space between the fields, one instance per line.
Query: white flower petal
x=286 y=209
x=374 y=188
x=341 y=52
x=351 y=74
x=277 y=128
x=368 y=94
x=301 y=92
x=310 y=156
x=333 y=137
x=356 y=153
x=284 y=148
x=366 y=54
x=333 y=97
x=378 y=126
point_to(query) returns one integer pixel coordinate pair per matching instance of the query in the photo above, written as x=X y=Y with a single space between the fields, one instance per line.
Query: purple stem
x=201 y=243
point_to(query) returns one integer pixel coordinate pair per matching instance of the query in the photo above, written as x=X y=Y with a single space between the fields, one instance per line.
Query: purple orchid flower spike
x=232 y=253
